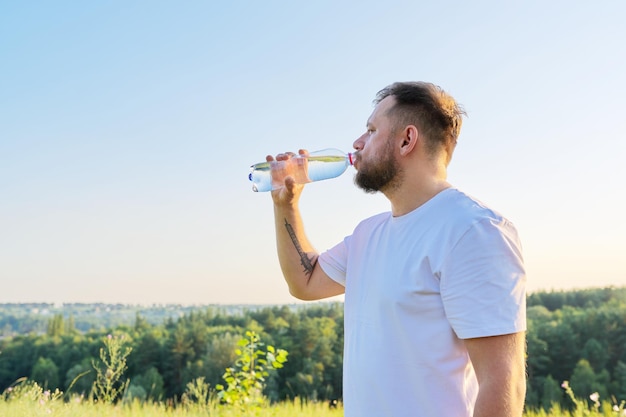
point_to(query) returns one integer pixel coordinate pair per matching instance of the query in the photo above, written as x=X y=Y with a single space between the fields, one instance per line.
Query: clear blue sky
x=127 y=130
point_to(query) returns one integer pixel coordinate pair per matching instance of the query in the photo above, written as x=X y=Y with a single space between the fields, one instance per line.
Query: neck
x=401 y=205
x=415 y=189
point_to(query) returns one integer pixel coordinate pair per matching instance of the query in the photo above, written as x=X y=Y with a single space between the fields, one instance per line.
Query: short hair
x=427 y=106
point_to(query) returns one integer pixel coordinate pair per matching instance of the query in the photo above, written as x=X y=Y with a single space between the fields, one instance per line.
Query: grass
x=29 y=407
x=58 y=408
x=30 y=400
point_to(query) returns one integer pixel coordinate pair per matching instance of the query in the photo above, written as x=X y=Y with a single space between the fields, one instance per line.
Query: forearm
x=296 y=255
x=501 y=398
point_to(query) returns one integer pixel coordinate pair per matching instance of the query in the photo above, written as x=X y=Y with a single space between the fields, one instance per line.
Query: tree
x=46 y=373
x=596 y=353
x=80 y=377
x=220 y=355
x=179 y=352
x=147 y=352
x=585 y=382
x=552 y=393
x=56 y=326
x=538 y=353
x=619 y=381
x=152 y=383
x=315 y=359
x=562 y=346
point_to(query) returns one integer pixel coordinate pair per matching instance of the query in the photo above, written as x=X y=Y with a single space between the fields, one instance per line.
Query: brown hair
x=433 y=111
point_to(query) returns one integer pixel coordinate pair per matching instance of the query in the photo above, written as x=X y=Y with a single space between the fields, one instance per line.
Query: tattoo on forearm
x=305 y=261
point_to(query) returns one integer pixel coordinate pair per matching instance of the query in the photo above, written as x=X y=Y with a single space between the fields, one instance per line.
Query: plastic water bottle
x=319 y=165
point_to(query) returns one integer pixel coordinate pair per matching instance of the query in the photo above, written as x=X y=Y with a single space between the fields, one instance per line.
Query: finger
x=290 y=183
x=283 y=156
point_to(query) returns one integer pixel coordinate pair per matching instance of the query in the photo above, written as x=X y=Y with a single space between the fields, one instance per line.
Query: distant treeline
x=24 y=318
x=579 y=337
x=575 y=336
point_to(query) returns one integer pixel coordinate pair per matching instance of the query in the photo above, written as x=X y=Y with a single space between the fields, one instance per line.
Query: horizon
x=298 y=303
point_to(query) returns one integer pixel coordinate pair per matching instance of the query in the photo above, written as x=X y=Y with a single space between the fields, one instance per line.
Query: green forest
x=577 y=336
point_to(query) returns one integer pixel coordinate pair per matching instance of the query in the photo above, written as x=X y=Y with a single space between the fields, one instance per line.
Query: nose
x=358 y=144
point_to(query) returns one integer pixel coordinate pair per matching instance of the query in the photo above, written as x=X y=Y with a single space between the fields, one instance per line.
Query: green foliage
x=246 y=379
x=552 y=393
x=152 y=384
x=578 y=336
x=56 y=327
x=108 y=386
x=45 y=373
x=173 y=346
x=200 y=342
x=198 y=395
x=25 y=388
x=24 y=391
x=80 y=378
x=619 y=380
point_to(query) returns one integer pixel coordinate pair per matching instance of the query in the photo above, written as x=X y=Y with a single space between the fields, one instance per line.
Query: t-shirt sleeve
x=334 y=261
x=483 y=281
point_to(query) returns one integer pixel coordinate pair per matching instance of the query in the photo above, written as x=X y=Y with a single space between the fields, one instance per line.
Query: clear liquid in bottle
x=317 y=166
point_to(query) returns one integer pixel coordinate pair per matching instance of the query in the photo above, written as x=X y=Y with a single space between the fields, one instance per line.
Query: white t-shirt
x=416 y=285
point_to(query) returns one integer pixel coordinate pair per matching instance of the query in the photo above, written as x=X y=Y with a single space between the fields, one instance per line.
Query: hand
x=289 y=173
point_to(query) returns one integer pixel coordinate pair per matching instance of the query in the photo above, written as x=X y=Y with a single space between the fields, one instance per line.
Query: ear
x=410 y=136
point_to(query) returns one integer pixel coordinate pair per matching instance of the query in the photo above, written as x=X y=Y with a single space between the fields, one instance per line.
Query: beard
x=378 y=176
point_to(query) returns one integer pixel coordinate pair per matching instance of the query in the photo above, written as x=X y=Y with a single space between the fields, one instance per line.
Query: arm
x=297 y=257
x=500 y=365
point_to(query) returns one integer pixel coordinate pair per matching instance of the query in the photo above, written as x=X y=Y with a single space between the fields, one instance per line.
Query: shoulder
x=469 y=207
x=372 y=222
x=466 y=212
x=463 y=225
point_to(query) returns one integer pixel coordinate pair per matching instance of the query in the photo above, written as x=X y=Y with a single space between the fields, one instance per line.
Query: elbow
x=300 y=294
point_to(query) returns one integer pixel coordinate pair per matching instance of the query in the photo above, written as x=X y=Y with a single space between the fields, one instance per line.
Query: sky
x=127 y=130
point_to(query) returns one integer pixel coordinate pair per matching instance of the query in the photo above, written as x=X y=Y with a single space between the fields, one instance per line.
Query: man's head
x=435 y=113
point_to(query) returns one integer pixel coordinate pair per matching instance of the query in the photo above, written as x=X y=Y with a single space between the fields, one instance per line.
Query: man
x=434 y=290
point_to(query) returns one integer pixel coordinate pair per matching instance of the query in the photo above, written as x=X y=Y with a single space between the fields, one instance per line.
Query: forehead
x=381 y=111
